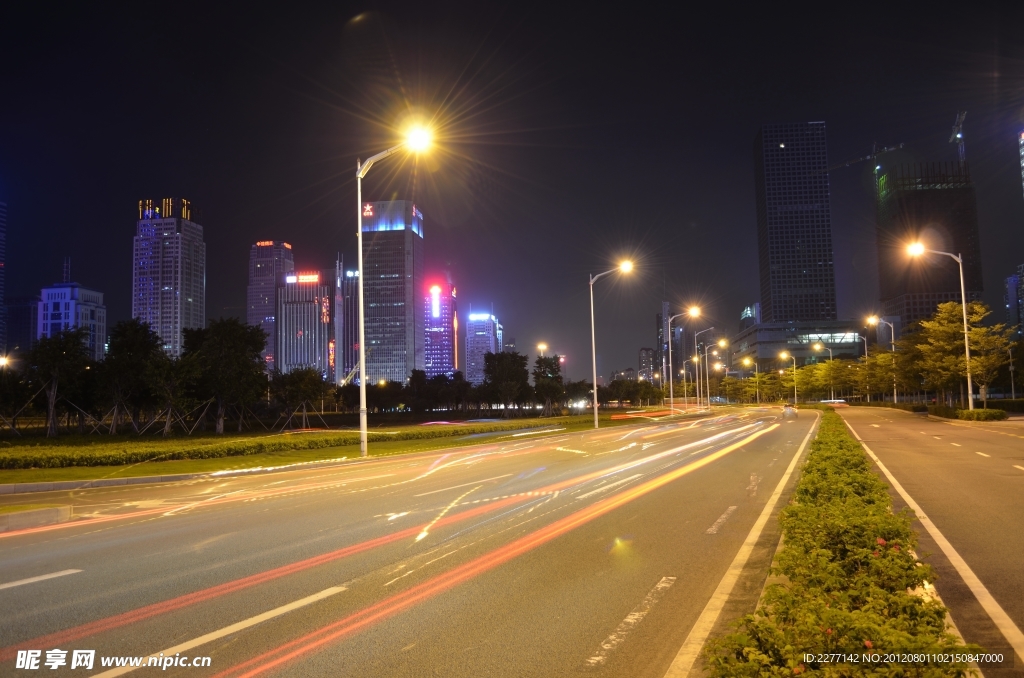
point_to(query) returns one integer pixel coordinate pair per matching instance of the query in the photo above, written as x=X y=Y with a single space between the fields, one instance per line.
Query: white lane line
x=631 y=621
x=455 y=487
x=721 y=521
x=983 y=454
x=995 y=611
x=228 y=630
x=956 y=444
x=533 y=433
x=687 y=654
x=31 y=580
x=876 y=426
x=1020 y=467
x=609 y=486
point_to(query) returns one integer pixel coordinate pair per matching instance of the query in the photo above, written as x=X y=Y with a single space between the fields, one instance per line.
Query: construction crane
x=875 y=152
x=957 y=137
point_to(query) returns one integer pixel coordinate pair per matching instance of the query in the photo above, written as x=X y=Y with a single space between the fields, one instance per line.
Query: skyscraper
x=392 y=289
x=3 y=277
x=268 y=261
x=794 y=223
x=22 y=323
x=349 y=340
x=934 y=203
x=169 y=271
x=1020 y=148
x=483 y=336
x=308 y=319
x=68 y=305
x=1013 y=299
x=442 y=325
x=646 y=364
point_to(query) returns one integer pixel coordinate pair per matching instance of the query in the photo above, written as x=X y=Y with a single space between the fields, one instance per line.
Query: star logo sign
x=367 y=210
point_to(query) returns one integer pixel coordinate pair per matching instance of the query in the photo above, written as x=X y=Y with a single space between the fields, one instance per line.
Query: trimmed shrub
x=849 y=563
x=981 y=415
x=943 y=411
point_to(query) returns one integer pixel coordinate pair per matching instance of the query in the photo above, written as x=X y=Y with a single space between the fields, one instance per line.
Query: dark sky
x=568 y=139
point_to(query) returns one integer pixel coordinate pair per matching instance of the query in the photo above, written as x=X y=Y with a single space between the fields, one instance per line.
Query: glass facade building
x=68 y=306
x=936 y=204
x=646 y=364
x=268 y=261
x=1013 y=300
x=794 y=223
x=392 y=289
x=169 y=271
x=3 y=277
x=483 y=336
x=440 y=342
x=309 y=321
x=349 y=340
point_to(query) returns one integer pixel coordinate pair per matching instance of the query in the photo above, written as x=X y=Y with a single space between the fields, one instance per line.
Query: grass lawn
x=471 y=434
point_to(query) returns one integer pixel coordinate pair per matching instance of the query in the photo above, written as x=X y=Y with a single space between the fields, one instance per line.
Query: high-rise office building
x=392 y=289
x=68 y=305
x=22 y=323
x=308 y=319
x=1020 y=147
x=169 y=271
x=268 y=261
x=936 y=204
x=349 y=340
x=483 y=336
x=440 y=343
x=1013 y=299
x=794 y=223
x=510 y=345
x=3 y=277
x=646 y=364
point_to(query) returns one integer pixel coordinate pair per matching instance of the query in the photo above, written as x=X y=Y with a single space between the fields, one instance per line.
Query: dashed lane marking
x=983 y=454
x=631 y=621
x=32 y=580
x=956 y=444
x=721 y=521
x=1020 y=467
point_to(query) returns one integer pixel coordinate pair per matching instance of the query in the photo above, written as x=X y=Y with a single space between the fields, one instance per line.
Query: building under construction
x=933 y=203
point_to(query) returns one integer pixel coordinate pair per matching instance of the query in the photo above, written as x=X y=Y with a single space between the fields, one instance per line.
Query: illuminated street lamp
x=694 y=312
x=757 y=387
x=416 y=140
x=542 y=347
x=873 y=321
x=624 y=267
x=786 y=356
x=917 y=249
x=671 y=374
x=818 y=347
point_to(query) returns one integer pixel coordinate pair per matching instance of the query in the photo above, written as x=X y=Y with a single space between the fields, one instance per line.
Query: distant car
x=835 y=403
x=789 y=412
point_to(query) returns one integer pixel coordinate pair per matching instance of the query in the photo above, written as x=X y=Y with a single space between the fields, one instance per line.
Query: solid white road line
x=631 y=621
x=721 y=521
x=983 y=454
x=42 y=577
x=228 y=630
x=995 y=611
x=455 y=487
x=956 y=444
x=687 y=654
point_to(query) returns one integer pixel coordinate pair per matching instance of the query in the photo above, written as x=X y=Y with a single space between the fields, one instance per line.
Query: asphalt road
x=968 y=480
x=524 y=556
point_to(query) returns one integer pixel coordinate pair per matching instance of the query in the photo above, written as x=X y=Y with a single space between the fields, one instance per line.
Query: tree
x=988 y=355
x=131 y=367
x=230 y=367
x=941 y=344
x=577 y=392
x=58 y=361
x=297 y=388
x=547 y=381
x=506 y=377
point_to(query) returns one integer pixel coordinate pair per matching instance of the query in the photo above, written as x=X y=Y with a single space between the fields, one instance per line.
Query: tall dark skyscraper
x=3 y=276
x=169 y=271
x=393 y=289
x=794 y=223
x=442 y=325
x=349 y=340
x=268 y=261
x=934 y=203
x=308 y=322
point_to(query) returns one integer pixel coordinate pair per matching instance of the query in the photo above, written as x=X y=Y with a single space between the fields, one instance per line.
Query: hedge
x=849 y=563
x=121 y=452
x=981 y=415
x=907 y=407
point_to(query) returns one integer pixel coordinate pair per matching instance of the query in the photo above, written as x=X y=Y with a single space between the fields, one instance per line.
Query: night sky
x=567 y=140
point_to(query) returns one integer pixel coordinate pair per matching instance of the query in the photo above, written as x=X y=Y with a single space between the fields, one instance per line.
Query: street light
x=757 y=386
x=818 y=347
x=917 y=249
x=686 y=391
x=873 y=321
x=417 y=140
x=542 y=347
x=786 y=356
x=671 y=374
x=707 y=368
x=1013 y=389
x=695 y=312
x=624 y=267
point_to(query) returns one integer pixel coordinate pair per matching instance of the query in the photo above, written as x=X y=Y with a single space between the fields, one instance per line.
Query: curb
x=62 y=485
x=35 y=518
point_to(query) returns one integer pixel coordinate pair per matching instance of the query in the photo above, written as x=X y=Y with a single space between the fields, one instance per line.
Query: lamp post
x=817 y=347
x=757 y=385
x=917 y=249
x=874 y=320
x=418 y=139
x=624 y=267
x=786 y=356
x=671 y=374
x=686 y=390
x=694 y=312
x=1013 y=389
x=542 y=347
